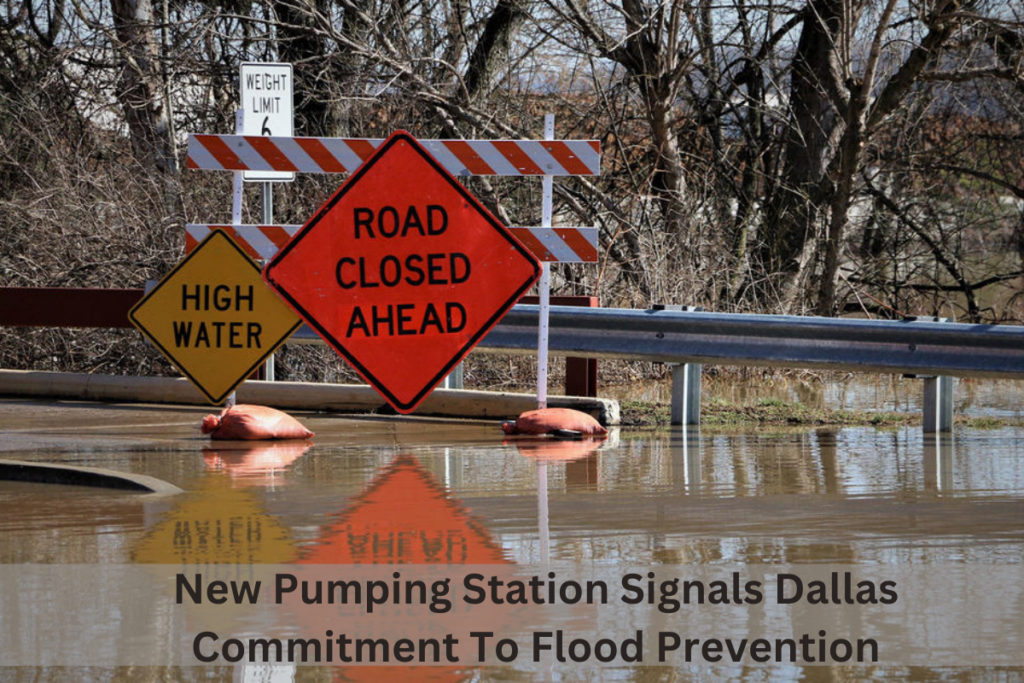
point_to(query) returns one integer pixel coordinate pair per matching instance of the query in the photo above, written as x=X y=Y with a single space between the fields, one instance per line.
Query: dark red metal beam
x=85 y=307
x=66 y=307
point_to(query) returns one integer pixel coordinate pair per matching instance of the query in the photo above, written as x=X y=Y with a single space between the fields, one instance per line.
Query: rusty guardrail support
x=580 y=373
x=66 y=306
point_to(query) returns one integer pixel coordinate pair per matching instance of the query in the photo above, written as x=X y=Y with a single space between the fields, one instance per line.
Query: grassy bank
x=774 y=412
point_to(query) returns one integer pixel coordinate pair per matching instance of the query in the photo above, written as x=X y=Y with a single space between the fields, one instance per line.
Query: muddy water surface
x=458 y=493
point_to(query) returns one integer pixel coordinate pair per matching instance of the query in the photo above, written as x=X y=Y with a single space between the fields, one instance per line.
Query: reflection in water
x=404 y=517
x=45 y=524
x=216 y=524
x=938 y=462
x=856 y=495
x=261 y=463
x=557 y=450
x=686 y=457
x=580 y=458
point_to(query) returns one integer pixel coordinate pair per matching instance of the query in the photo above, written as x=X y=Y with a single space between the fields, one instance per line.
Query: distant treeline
x=816 y=156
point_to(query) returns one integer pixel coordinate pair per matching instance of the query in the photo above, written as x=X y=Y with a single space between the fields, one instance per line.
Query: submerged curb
x=73 y=475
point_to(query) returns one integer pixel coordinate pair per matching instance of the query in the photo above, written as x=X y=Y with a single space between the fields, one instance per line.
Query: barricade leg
x=580 y=373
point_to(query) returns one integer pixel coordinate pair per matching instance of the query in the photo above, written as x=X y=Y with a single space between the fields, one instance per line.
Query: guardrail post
x=937 y=405
x=454 y=378
x=686 y=394
x=685 y=382
x=580 y=373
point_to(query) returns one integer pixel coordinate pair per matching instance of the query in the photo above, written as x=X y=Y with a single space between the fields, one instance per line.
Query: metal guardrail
x=879 y=346
x=933 y=351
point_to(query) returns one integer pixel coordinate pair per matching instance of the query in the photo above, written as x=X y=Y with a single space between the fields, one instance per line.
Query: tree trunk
x=300 y=45
x=492 y=49
x=490 y=53
x=816 y=97
x=142 y=93
x=139 y=88
x=838 y=220
x=668 y=183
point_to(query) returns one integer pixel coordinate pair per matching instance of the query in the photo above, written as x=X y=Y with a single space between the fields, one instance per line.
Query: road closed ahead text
x=431 y=269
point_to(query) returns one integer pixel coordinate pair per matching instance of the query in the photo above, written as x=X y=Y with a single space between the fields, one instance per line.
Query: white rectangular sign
x=266 y=91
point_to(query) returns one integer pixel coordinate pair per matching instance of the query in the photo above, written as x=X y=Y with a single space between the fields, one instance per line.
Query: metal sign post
x=267 y=197
x=266 y=91
x=237 y=195
x=545 y=280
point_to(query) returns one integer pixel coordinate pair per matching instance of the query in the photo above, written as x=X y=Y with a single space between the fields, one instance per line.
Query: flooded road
x=380 y=490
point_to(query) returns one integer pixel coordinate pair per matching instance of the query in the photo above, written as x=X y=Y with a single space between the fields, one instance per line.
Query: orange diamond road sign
x=214 y=318
x=402 y=271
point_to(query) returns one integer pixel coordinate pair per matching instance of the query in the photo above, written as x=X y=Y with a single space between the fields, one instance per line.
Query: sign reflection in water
x=581 y=456
x=404 y=517
x=217 y=523
x=249 y=465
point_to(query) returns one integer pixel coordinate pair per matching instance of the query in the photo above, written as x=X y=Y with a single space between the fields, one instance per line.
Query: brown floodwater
x=456 y=492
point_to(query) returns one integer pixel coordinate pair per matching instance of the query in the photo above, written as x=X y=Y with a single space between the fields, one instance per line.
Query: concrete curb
x=73 y=475
x=351 y=398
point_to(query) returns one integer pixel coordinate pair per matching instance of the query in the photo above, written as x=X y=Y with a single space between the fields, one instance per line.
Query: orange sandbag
x=548 y=420
x=253 y=423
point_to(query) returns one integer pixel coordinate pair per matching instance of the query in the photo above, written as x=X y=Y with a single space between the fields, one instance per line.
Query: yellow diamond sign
x=214 y=318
